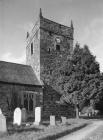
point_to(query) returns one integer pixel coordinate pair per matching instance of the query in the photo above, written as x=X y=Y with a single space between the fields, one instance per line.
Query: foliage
x=78 y=79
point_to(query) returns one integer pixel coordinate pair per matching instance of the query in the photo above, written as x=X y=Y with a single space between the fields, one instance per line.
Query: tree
x=80 y=78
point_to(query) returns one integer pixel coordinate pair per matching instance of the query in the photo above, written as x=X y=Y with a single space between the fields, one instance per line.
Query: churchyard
x=21 y=128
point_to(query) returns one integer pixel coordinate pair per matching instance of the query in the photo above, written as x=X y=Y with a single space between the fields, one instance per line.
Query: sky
x=18 y=16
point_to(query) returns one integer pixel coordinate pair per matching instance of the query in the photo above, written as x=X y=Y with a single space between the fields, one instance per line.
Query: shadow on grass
x=23 y=129
x=64 y=133
x=92 y=117
x=45 y=123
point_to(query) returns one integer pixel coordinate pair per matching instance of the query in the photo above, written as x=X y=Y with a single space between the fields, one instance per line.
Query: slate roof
x=17 y=73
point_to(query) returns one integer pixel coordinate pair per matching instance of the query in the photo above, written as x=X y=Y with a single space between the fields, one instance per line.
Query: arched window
x=26 y=103
x=30 y=104
x=58 y=47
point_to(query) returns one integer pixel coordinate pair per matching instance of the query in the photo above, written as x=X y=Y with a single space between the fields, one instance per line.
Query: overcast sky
x=18 y=16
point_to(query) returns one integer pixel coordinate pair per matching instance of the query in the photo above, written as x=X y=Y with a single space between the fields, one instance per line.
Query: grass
x=43 y=132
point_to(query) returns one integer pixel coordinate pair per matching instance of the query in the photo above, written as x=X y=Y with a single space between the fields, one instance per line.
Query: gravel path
x=85 y=132
x=96 y=135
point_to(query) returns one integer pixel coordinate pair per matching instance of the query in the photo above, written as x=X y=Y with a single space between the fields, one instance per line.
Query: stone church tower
x=48 y=44
x=47 y=41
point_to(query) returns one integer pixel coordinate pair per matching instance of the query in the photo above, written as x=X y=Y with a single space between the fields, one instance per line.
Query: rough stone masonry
x=47 y=43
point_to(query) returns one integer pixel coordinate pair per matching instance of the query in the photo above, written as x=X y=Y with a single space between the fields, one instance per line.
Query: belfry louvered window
x=31 y=48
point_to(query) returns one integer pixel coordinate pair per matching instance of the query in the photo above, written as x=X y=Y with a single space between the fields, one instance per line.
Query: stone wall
x=56 y=28
x=51 y=107
x=48 y=52
x=51 y=35
x=34 y=59
x=52 y=43
x=7 y=90
x=45 y=36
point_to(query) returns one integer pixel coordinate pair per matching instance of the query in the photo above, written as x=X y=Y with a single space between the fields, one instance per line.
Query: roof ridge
x=14 y=63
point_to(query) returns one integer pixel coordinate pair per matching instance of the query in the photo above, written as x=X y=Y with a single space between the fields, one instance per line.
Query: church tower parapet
x=47 y=40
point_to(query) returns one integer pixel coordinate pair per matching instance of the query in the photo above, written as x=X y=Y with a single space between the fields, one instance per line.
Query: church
x=29 y=85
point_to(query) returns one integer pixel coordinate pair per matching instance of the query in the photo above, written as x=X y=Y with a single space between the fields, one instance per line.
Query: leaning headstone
x=17 y=116
x=37 y=115
x=24 y=115
x=63 y=120
x=3 y=128
x=52 y=120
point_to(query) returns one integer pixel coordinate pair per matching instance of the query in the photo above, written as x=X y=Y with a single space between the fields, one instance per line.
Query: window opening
x=58 y=47
x=31 y=48
x=30 y=104
x=49 y=50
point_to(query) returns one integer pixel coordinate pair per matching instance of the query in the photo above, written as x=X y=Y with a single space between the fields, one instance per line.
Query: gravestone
x=63 y=120
x=24 y=114
x=52 y=120
x=17 y=116
x=79 y=113
x=37 y=115
x=0 y=111
x=3 y=128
